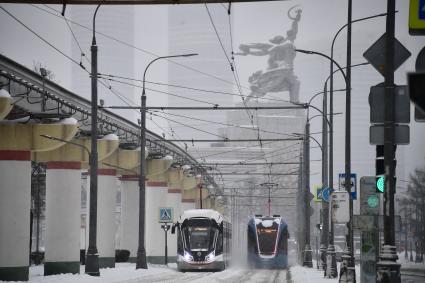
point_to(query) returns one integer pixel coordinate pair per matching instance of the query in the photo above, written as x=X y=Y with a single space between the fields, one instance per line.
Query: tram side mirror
x=173 y=229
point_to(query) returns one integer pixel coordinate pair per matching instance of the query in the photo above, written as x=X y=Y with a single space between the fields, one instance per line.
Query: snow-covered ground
x=126 y=273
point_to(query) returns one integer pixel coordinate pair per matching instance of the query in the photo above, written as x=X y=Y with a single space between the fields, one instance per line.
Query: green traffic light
x=380 y=184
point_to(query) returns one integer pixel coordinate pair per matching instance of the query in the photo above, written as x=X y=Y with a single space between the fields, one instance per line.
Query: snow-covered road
x=126 y=273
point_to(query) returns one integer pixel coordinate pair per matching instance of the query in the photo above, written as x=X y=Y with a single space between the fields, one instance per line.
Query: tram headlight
x=187 y=257
x=210 y=257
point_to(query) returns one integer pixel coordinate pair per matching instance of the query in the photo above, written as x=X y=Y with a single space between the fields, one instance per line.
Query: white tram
x=203 y=240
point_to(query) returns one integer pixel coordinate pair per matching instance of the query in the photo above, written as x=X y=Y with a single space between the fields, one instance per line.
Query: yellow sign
x=317 y=193
x=417 y=17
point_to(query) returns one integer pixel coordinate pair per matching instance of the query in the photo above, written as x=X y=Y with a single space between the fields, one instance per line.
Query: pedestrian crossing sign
x=165 y=214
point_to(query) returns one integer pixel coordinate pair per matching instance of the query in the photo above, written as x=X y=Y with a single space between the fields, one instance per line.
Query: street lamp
x=141 y=251
x=347 y=149
x=92 y=259
x=332 y=272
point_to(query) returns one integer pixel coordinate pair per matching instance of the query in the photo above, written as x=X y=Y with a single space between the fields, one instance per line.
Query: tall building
x=191 y=31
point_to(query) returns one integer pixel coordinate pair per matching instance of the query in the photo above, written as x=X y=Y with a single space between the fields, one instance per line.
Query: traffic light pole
x=388 y=270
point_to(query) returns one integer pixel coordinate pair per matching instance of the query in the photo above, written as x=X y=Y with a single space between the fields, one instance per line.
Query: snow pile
x=4 y=93
x=68 y=121
x=111 y=137
x=267 y=223
x=123 y=272
x=301 y=274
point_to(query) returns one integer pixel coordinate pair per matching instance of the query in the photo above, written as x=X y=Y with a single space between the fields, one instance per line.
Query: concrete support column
x=15 y=205
x=63 y=205
x=188 y=200
x=129 y=214
x=156 y=197
x=106 y=203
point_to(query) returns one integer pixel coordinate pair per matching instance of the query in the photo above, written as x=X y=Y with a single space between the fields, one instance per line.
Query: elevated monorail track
x=38 y=98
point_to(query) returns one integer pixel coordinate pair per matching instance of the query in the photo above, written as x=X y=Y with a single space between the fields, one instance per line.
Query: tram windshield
x=199 y=234
x=267 y=232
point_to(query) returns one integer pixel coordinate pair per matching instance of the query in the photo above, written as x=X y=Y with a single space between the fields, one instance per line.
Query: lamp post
x=350 y=274
x=141 y=251
x=332 y=272
x=92 y=259
x=307 y=257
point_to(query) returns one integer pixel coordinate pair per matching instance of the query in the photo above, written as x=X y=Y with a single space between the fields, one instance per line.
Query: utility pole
x=92 y=260
x=388 y=270
x=307 y=261
x=348 y=271
x=325 y=204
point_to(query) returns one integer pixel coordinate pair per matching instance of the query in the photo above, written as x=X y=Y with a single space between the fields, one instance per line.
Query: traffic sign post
x=401 y=134
x=376 y=55
x=326 y=194
x=165 y=215
x=377 y=104
x=353 y=184
x=340 y=207
x=318 y=193
x=166 y=227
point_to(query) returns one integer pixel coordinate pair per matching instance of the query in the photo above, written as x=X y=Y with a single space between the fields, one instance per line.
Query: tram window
x=199 y=238
x=219 y=245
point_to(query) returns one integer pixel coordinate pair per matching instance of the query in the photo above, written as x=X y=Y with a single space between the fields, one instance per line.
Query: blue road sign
x=319 y=193
x=165 y=214
x=422 y=9
x=325 y=194
x=353 y=184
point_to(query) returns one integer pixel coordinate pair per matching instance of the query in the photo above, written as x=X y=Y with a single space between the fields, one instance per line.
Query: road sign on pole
x=377 y=104
x=165 y=214
x=318 y=193
x=376 y=54
x=353 y=184
x=401 y=134
x=326 y=194
x=340 y=207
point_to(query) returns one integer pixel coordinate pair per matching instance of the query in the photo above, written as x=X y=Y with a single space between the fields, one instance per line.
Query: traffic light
x=380 y=170
x=380 y=184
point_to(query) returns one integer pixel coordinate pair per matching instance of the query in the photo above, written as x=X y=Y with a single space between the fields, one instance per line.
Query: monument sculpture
x=279 y=75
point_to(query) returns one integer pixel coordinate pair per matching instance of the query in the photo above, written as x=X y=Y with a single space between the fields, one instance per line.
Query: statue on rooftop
x=279 y=75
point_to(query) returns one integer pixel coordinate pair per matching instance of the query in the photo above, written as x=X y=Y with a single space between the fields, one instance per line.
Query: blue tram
x=267 y=242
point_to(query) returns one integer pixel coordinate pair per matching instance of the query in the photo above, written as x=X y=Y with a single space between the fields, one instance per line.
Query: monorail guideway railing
x=39 y=98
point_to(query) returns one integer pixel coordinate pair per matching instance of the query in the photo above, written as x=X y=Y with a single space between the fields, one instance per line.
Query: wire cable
x=159 y=91
x=132 y=46
x=220 y=123
x=189 y=88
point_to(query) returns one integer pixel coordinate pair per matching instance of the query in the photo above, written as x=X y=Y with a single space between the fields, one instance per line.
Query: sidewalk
x=408 y=266
x=300 y=274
